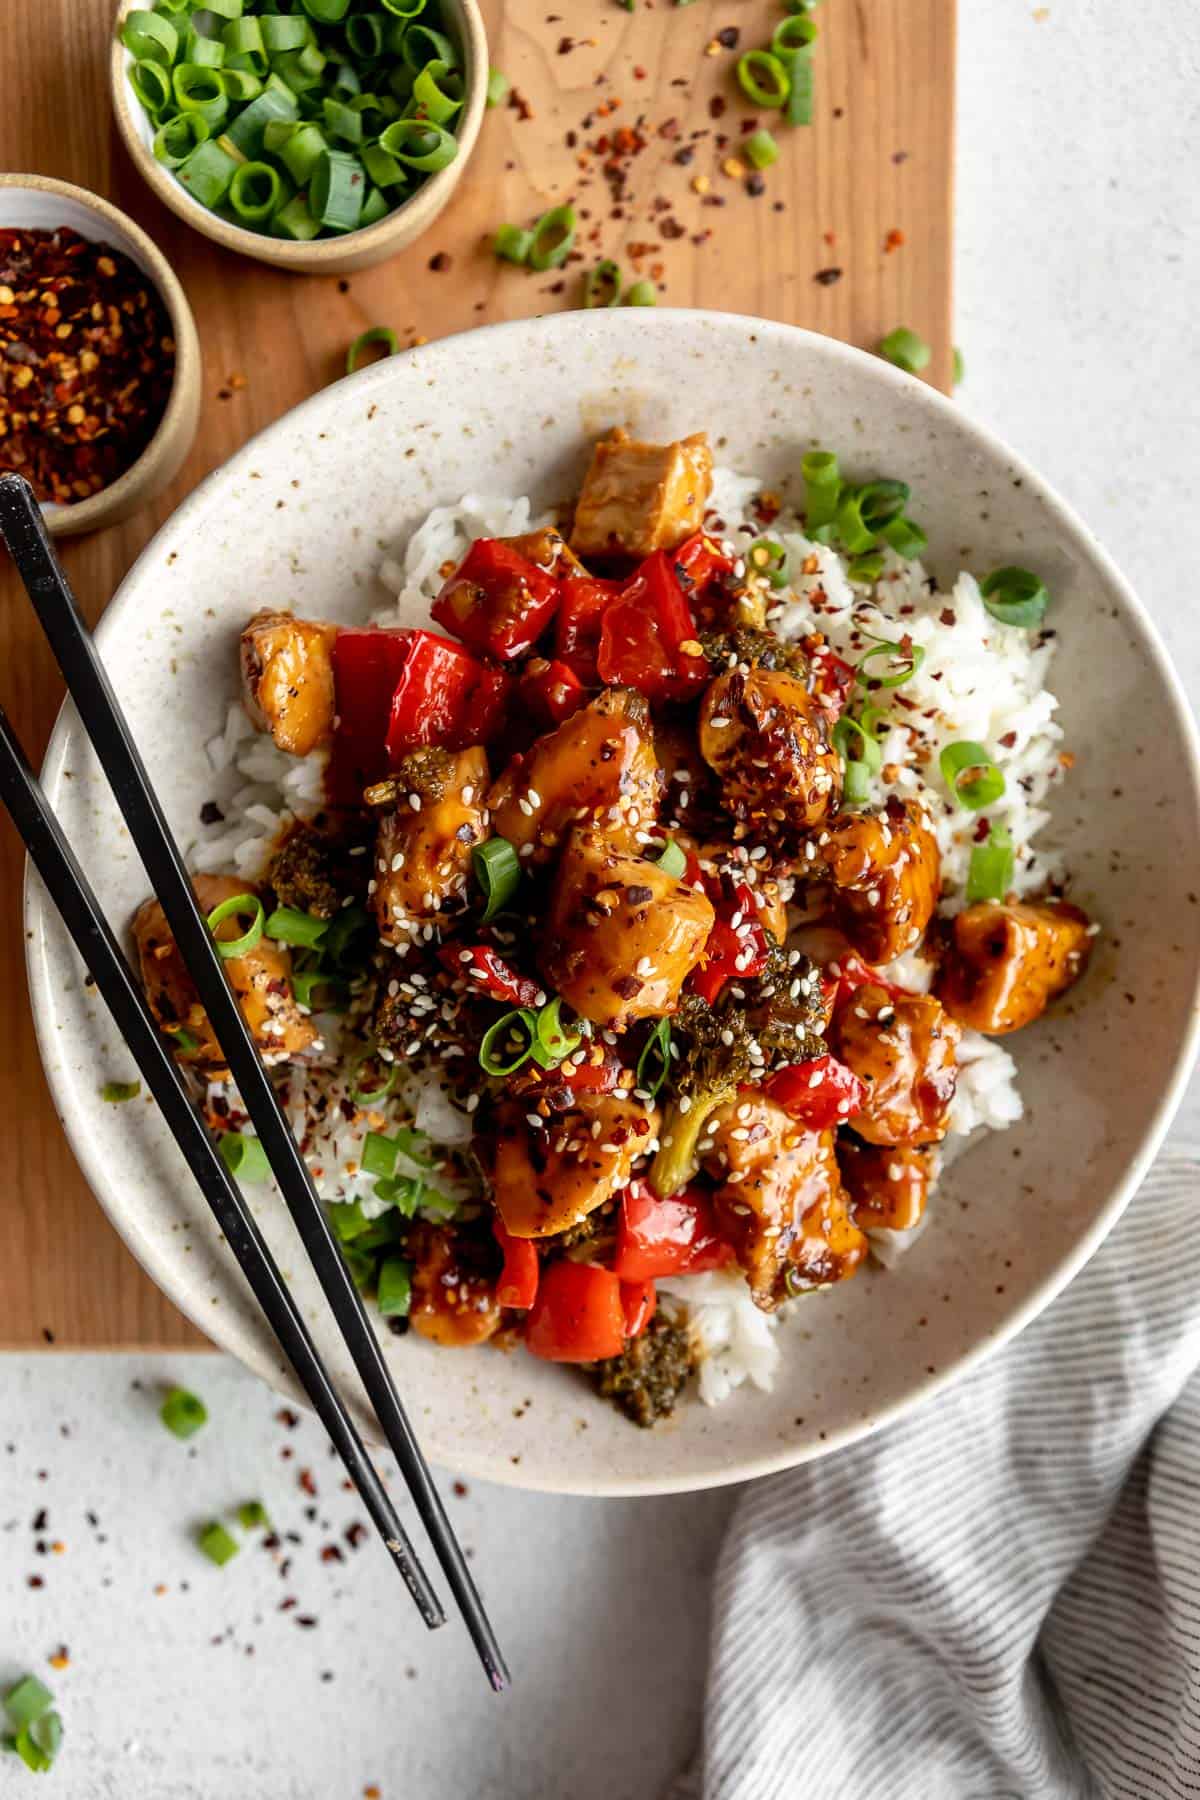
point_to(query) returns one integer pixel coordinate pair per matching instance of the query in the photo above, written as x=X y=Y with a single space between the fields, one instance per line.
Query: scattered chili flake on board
x=86 y=362
x=827 y=277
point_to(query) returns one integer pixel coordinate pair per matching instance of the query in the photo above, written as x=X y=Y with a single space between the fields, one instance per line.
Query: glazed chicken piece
x=453 y=1292
x=642 y=497
x=1007 y=961
x=781 y=1202
x=766 y=739
x=622 y=935
x=261 y=979
x=887 y=1187
x=904 y=1048
x=886 y=875
x=287 y=679
x=548 y=1177
x=596 y=768
x=423 y=852
x=547 y=549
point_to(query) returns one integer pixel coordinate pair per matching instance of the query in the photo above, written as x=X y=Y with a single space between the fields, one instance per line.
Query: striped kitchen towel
x=998 y=1598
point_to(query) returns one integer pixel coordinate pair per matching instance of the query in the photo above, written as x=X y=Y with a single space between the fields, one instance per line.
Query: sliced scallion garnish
x=763 y=78
x=1014 y=597
x=244 y=1157
x=761 y=149
x=550 y=1041
x=990 y=872
x=822 y=486
x=497 y=1055
x=602 y=286
x=379 y=1154
x=498 y=872
x=768 y=558
x=252 y=1516
x=393 y=1296
x=973 y=778
x=907 y=655
x=905 y=537
x=288 y=925
x=553 y=238
x=235 y=907
x=363 y=1094
x=27 y=1701
x=861 y=759
x=513 y=243
x=378 y=334
x=672 y=862
x=641 y=293
x=497 y=87
x=655 y=1061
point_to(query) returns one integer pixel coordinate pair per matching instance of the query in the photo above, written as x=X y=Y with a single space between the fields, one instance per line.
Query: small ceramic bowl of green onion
x=317 y=135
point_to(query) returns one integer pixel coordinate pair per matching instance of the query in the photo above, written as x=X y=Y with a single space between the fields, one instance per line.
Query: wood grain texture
x=876 y=160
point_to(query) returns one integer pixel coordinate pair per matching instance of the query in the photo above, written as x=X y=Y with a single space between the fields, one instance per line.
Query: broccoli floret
x=646 y=1380
x=757 y=649
x=714 y=1056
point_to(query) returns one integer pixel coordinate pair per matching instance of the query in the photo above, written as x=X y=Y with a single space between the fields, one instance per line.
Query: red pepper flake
x=565 y=45
x=332 y=1553
x=355 y=1534
x=899 y=156
x=893 y=240
x=308 y=1482
x=285 y=1416
x=61 y=1658
x=728 y=37
x=716 y=106
x=519 y=104
x=1008 y=741
x=756 y=184
x=87 y=362
x=671 y=228
x=35 y=1581
x=306 y=1620
x=441 y=262
x=827 y=277
x=460 y=1488
x=639 y=74
x=948 y=616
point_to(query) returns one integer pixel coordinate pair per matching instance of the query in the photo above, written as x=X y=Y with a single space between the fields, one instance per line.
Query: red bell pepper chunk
x=577 y=1315
x=484 y=969
x=830 y=678
x=638 y=1301
x=497 y=601
x=667 y=1237
x=487 y=708
x=429 y=704
x=819 y=1093
x=732 y=951
x=550 y=692
x=366 y=668
x=702 y=559
x=518 y=1282
x=577 y=627
x=643 y=633
x=852 y=973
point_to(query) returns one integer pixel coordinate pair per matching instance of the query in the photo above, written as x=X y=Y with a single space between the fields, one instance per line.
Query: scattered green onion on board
x=763 y=78
x=990 y=871
x=116 y=1093
x=904 y=348
x=234 y=908
x=244 y=1157
x=1014 y=597
x=553 y=238
x=217 y=1543
x=641 y=293
x=761 y=149
x=602 y=285
x=183 y=1413
x=497 y=87
x=672 y=861
x=973 y=778
x=497 y=873
x=512 y=243
x=378 y=334
x=371 y=99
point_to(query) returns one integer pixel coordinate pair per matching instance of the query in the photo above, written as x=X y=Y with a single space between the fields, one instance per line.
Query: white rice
x=979 y=680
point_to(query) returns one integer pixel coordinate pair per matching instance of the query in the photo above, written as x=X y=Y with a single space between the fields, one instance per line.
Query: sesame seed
x=685 y=1104
x=397 y=862
x=535 y=1120
x=414 y=800
x=535 y=799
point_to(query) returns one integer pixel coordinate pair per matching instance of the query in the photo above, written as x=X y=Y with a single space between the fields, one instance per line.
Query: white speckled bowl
x=302 y=517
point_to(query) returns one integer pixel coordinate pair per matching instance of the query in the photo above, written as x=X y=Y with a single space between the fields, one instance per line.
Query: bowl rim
x=284 y=253
x=92 y=512
x=37 y=912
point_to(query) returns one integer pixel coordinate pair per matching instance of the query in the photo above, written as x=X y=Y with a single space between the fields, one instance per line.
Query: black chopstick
x=104 y=722
x=80 y=912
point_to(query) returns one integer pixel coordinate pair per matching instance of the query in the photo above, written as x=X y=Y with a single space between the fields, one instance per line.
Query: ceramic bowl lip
x=925 y=400
x=428 y=199
x=87 y=514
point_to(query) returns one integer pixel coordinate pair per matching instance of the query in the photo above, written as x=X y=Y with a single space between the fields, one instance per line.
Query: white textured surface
x=1079 y=260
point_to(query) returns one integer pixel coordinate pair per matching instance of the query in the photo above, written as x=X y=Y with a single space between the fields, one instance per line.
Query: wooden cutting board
x=851 y=235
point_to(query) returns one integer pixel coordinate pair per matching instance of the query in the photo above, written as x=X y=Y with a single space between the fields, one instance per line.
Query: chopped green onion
x=183 y=1413
x=879 y=502
x=393 y=1296
x=295 y=221
x=768 y=558
x=794 y=33
x=972 y=777
x=288 y=925
x=183 y=1039
x=866 y=568
x=512 y=243
x=641 y=293
x=228 y=948
x=27 y=1701
x=905 y=538
x=243 y=37
x=602 y=285
x=256 y=192
x=871 y=717
x=861 y=759
x=39 y=1743
x=252 y=1516
x=307 y=983
x=326 y=12
x=672 y=862
x=400 y=1191
x=854 y=533
x=1014 y=597
x=152 y=85
x=438 y=92
x=553 y=237
x=496 y=1044
x=226 y=143
x=959 y=366
x=378 y=334
x=217 y=1544
x=436 y=1205
x=198 y=88
x=241 y=84
x=822 y=485
x=224 y=9
x=904 y=348
x=422 y=44
x=654 y=1064
x=370 y=1096
x=416 y=1145
x=910 y=656
x=337 y=190
x=149 y=37
x=763 y=78
x=990 y=872
x=383 y=169
x=498 y=873
x=175 y=140
x=550 y=1041
x=497 y=87
x=281 y=34
x=348 y=1221
x=244 y=1156
x=761 y=149
x=420 y=144
x=117 y=1092
x=341 y=121
x=379 y=1154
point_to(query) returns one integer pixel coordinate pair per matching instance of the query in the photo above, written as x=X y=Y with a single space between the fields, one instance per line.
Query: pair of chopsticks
x=24 y=534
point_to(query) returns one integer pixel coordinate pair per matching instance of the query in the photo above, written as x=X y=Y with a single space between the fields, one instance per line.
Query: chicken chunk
x=261 y=979
x=453 y=1289
x=642 y=497
x=1006 y=962
x=781 y=1202
x=766 y=739
x=904 y=1048
x=622 y=935
x=597 y=768
x=423 y=851
x=887 y=1187
x=886 y=874
x=547 y=1178
x=287 y=679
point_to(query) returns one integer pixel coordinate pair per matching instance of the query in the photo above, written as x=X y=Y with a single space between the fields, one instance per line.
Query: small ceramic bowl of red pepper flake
x=99 y=358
